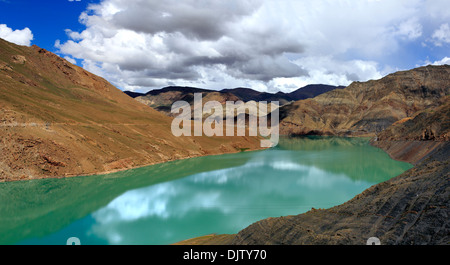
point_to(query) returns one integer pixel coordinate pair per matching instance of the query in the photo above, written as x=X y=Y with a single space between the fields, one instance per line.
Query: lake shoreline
x=67 y=175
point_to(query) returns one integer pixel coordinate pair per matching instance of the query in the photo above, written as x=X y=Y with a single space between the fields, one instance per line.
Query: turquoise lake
x=174 y=201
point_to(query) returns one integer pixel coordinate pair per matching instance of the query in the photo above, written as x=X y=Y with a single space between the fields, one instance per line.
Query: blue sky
x=46 y=19
x=267 y=45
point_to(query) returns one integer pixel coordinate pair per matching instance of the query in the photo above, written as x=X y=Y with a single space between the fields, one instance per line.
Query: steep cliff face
x=366 y=108
x=412 y=139
x=431 y=124
x=56 y=119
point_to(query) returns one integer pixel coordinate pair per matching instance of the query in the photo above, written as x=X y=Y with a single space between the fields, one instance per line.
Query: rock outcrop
x=415 y=138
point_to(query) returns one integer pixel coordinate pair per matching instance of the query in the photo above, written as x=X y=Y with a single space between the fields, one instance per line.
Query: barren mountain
x=162 y=99
x=57 y=119
x=366 y=108
x=309 y=91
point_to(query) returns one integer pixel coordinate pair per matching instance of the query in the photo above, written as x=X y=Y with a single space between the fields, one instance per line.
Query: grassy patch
x=243 y=149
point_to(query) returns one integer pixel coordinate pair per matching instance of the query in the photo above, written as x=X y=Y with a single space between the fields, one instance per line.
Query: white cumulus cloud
x=19 y=37
x=445 y=60
x=442 y=35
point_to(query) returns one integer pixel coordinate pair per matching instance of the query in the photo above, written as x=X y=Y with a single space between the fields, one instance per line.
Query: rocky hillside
x=57 y=119
x=366 y=108
x=412 y=139
x=430 y=124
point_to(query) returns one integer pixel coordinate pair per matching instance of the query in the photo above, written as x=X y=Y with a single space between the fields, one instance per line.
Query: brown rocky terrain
x=163 y=99
x=57 y=119
x=367 y=108
x=413 y=139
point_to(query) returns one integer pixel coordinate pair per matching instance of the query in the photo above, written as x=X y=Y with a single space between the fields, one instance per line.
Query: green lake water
x=170 y=202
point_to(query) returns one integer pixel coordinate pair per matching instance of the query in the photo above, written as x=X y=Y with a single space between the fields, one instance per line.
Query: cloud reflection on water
x=259 y=186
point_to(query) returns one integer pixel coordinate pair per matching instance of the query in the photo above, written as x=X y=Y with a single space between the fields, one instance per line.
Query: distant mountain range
x=247 y=94
x=361 y=109
x=162 y=99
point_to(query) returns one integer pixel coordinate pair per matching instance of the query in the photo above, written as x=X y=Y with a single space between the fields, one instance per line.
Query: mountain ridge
x=366 y=108
x=247 y=94
x=162 y=99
